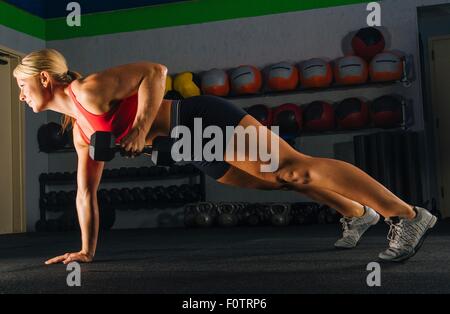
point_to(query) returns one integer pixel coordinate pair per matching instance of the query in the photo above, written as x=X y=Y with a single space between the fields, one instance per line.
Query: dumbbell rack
x=195 y=178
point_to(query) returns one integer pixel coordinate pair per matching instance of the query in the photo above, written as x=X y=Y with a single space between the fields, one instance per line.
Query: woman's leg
x=300 y=172
x=343 y=205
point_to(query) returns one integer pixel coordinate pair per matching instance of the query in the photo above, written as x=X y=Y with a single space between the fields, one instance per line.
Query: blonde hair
x=53 y=62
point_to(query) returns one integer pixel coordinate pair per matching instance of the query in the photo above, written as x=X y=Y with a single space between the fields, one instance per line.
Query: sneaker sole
x=431 y=225
x=343 y=248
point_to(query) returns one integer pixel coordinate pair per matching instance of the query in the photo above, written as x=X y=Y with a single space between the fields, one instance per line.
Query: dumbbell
x=106 y=174
x=174 y=193
x=157 y=171
x=116 y=198
x=72 y=197
x=51 y=176
x=62 y=199
x=52 y=201
x=144 y=172
x=161 y=195
x=176 y=170
x=123 y=172
x=132 y=172
x=186 y=193
x=139 y=197
x=102 y=147
x=128 y=199
x=114 y=173
x=150 y=197
x=104 y=198
x=59 y=176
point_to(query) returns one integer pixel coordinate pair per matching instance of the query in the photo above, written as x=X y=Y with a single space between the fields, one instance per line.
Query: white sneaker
x=355 y=227
x=406 y=236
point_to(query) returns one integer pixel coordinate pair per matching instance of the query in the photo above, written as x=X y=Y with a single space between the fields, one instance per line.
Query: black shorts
x=214 y=111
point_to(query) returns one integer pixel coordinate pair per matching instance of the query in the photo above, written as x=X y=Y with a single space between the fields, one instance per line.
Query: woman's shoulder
x=89 y=90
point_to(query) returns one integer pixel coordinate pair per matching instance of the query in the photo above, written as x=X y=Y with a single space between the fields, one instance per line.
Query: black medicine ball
x=51 y=138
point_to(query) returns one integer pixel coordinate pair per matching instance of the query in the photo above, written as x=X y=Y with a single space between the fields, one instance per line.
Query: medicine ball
x=289 y=118
x=386 y=66
x=262 y=113
x=319 y=116
x=282 y=76
x=187 y=84
x=386 y=112
x=351 y=70
x=50 y=137
x=315 y=73
x=215 y=82
x=246 y=79
x=352 y=113
x=368 y=42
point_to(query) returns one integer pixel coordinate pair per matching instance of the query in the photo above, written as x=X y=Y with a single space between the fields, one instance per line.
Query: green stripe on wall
x=22 y=21
x=182 y=13
x=157 y=16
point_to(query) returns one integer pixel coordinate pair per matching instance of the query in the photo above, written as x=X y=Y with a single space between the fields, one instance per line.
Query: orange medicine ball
x=386 y=66
x=246 y=79
x=282 y=76
x=215 y=82
x=315 y=73
x=351 y=70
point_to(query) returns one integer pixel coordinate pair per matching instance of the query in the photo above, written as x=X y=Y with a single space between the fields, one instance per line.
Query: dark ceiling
x=57 y=8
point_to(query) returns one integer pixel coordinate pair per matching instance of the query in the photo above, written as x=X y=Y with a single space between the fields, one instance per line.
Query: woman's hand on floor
x=71 y=257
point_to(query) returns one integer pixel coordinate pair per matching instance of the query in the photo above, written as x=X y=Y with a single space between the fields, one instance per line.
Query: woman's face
x=34 y=92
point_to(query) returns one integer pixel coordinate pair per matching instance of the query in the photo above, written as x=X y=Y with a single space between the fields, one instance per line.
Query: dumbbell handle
x=147 y=150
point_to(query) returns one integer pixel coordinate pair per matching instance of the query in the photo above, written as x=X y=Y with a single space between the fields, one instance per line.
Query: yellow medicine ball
x=185 y=85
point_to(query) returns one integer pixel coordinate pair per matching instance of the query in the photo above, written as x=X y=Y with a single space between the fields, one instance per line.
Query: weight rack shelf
x=122 y=179
x=126 y=207
x=192 y=177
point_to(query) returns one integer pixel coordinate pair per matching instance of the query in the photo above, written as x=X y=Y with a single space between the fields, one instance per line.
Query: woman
x=128 y=100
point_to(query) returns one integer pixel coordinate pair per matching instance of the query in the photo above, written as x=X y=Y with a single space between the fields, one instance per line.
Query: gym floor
x=253 y=260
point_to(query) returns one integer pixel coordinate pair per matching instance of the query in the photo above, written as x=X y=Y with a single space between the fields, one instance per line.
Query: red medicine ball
x=386 y=112
x=368 y=42
x=319 y=116
x=262 y=113
x=352 y=113
x=289 y=118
